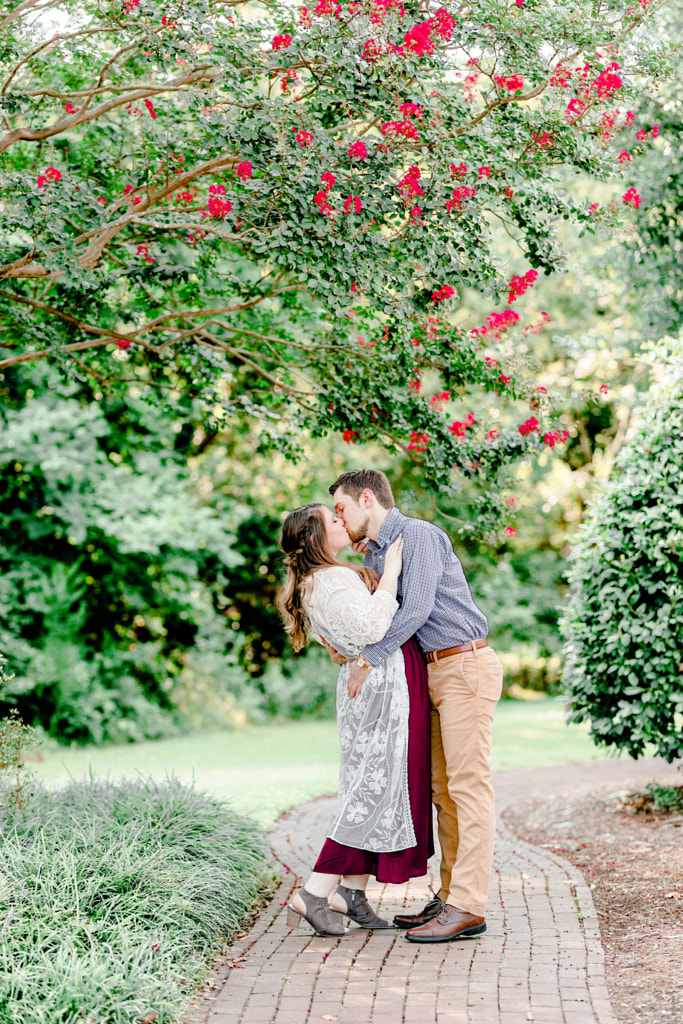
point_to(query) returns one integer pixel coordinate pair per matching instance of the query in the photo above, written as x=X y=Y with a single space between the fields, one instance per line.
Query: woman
x=384 y=824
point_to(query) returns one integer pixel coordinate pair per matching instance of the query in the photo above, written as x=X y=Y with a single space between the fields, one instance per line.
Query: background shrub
x=624 y=623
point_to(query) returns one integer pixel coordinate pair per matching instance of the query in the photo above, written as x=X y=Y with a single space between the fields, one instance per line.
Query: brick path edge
x=540 y=960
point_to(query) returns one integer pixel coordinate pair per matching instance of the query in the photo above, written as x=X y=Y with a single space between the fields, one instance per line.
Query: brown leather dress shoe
x=449 y=923
x=414 y=920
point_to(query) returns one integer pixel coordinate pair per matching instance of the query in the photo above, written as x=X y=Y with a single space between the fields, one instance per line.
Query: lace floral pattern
x=374 y=804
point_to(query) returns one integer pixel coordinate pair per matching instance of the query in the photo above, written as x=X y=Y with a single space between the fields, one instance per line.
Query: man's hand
x=337 y=658
x=357 y=677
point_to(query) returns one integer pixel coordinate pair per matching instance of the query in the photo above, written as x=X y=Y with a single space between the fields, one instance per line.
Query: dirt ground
x=631 y=853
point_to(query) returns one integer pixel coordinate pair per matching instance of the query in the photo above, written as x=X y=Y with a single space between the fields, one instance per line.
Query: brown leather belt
x=460 y=649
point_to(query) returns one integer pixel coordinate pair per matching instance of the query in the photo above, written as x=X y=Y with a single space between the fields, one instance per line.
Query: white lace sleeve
x=344 y=611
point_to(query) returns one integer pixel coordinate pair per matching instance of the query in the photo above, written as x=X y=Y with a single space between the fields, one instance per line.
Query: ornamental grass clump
x=624 y=624
x=115 y=895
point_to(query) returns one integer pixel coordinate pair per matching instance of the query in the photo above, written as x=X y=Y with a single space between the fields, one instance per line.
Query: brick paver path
x=540 y=960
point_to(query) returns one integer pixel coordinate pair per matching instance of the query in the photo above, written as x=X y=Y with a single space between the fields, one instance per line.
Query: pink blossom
x=513 y=83
x=358 y=151
x=484 y=172
x=631 y=198
x=354 y=201
x=624 y=157
x=281 y=42
x=554 y=437
x=418 y=442
x=304 y=138
x=510 y=530
x=443 y=293
x=244 y=170
x=529 y=426
x=150 y=106
x=410 y=110
x=492 y=434
x=458 y=170
x=460 y=193
x=519 y=285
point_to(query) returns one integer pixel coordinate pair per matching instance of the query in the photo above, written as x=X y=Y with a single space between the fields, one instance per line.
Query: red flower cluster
x=513 y=83
x=150 y=106
x=561 y=77
x=529 y=426
x=419 y=38
x=281 y=42
x=408 y=185
x=51 y=174
x=350 y=436
x=244 y=170
x=484 y=172
x=603 y=389
x=218 y=207
x=519 y=285
x=459 y=193
x=354 y=201
x=460 y=429
x=445 y=292
x=439 y=400
x=418 y=442
x=415 y=384
x=624 y=157
x=416 y=215
x=492 y=434
x=358 y=151
x=183 y=197
x=631 y=198
x=510 y=530
x=575 y=109
x=554 y=437
x=607 y=83
x=122 y=343
x=70 y=109
x=144 y=252
x=410 y=110
x=395 y=128
x=320 y=198
x=496 y=324
x=371 y=52
x=458 y=170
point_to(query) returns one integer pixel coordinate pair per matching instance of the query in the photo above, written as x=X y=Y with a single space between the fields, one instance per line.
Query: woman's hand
x=393 y=560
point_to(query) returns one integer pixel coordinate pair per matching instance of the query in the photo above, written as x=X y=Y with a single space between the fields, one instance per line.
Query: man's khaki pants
x=464 y=690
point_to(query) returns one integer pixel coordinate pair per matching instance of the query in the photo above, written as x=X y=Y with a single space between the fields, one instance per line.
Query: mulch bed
x=631 y=854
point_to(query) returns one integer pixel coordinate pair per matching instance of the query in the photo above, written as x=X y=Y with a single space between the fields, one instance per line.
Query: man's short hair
x=356 y=481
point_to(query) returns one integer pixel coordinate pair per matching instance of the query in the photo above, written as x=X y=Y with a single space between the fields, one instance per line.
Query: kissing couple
x=417 y=673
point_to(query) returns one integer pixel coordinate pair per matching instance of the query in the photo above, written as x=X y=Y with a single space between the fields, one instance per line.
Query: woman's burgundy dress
x=399 y=866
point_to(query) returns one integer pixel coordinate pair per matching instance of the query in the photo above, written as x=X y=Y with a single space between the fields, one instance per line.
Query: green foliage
x=624 y=624
x=187 y=215
x=666 y=798
x=116 y=896
x=17 y=741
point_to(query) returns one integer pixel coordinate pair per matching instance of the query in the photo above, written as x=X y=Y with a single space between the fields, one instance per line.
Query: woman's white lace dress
x=374 y=804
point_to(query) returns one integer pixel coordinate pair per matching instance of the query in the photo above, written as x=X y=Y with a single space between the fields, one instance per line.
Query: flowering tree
x=281 y=210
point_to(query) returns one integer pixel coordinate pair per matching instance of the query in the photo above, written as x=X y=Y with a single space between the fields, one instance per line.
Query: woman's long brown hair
x=304 y=542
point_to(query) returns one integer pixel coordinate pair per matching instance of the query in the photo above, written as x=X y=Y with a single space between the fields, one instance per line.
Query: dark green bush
x=624 y=624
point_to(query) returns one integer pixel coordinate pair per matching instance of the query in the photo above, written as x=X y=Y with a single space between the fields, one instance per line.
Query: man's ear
x=368 y=497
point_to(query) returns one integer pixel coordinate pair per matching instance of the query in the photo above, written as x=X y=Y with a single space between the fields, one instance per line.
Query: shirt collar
x=388 y=531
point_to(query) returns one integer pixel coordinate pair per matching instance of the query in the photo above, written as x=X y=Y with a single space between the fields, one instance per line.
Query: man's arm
x=423 y=565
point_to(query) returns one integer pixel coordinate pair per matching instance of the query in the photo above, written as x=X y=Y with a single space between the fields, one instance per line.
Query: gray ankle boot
x=358 y=909
x=318 y=914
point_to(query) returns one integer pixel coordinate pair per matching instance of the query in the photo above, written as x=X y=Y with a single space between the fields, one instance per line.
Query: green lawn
x=266 y=769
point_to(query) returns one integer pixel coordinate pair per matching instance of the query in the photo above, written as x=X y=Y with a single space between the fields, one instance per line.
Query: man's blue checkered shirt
x=436 y=603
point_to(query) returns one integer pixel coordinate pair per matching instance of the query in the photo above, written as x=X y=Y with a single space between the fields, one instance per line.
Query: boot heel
x=293 y=918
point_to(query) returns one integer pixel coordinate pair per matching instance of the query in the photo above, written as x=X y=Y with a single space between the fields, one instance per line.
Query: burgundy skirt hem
x=399 y=866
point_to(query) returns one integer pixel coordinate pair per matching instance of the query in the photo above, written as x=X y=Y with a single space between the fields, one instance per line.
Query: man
x=465 y=683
